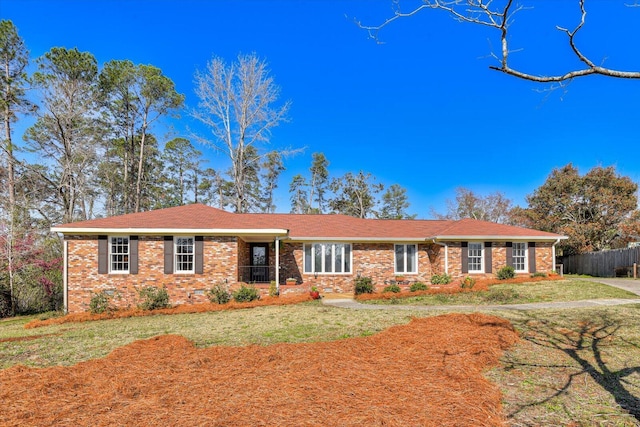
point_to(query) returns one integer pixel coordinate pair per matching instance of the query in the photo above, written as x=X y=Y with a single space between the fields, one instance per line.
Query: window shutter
x=532 y=256
x=510 y=254
x=168 y=254
x=488 y=257
x=133 y=254
x=199 y=255
x=465 y=257
x=103 y=255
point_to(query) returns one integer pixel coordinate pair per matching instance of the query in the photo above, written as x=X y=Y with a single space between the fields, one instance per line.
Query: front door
x=260 y=262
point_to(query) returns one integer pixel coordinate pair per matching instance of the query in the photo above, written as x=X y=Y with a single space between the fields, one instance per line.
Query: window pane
x=317 y=267
x=119 y=254
x=347 y=259
x=411 y=258
x=328 y=252
x=307 y=259
x=338 y=248
x=475 y=256
x=399 y=251
x=184 y=254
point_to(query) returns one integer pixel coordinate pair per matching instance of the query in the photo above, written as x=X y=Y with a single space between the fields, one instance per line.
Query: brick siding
x=224 y=256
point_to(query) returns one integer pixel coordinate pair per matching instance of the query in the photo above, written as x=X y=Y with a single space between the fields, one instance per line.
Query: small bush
x=418 y=286
x=506 y=272
x=440 y=279
x=153 y=298
x=246 y=294
x=100 y=303
x=468 y=282
x=363 y=285
x=539 y=274
x=391 y=288
x=219 y=294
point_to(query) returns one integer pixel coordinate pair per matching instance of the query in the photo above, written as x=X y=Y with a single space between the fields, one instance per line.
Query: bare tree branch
x=500 y=17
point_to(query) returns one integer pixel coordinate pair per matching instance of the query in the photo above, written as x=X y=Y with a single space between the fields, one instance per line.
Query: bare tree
x=237 y=102
x=495 y=207
x=498 y=15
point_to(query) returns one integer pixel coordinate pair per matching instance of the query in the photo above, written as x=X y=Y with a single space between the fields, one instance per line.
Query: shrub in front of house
x=100 y=303
x=468 y=282
x=506 y=272
x=392 y=288
x=539 y=274
x=418 y=286
x=219 y=294
x=440 y=279
x=363 y=285
x=246 y=294
x=152 y=298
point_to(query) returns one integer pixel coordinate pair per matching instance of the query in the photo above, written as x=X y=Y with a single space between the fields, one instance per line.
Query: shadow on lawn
x=584 y=344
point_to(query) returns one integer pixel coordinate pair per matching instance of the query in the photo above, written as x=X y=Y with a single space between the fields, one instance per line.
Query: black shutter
x=488 y=257
x=532 y=257
x=510 y=254
x=133 y=254
x=465 y=257
x=199 y=255
x=103 y=255
x=168 y=254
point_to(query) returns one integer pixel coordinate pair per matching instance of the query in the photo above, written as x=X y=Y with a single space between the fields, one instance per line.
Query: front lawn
x=515 y=293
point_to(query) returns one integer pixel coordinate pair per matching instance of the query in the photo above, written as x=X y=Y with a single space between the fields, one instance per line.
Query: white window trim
x=481 y=257
x=526 y=257
x=313 y=264
x=415 y=259
x=175 y=255
x=109 y=259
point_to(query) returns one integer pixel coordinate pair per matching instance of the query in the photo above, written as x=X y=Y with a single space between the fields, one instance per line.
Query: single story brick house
x=191 y=248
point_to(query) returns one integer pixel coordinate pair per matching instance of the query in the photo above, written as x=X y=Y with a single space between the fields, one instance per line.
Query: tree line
x=94 y=149
x=596 y=211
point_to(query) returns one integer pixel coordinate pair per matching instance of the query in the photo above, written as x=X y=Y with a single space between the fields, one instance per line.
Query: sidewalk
x=352 y=304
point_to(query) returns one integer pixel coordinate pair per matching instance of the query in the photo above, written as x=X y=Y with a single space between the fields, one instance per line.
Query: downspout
x=446 y=254
x=277 y=243
x=65 y=282
x=553 y=255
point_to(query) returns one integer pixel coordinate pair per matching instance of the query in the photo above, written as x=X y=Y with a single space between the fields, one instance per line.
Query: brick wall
x=224 y=255
x=220 y=265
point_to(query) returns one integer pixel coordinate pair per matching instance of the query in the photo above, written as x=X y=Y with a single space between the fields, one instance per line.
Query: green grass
x=521 y=293
x=571 y=366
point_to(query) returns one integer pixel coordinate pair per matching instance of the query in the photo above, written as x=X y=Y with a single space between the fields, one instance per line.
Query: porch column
x=65 y=282
x=277 y=244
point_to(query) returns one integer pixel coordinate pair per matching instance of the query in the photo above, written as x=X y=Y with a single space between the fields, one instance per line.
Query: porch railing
x=260 y=273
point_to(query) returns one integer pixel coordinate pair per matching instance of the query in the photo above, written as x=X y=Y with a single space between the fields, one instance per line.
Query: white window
x=184 y=251
x=119 y=254
x=406 y=259
x=520 y=256
x=475 y=258
x=327 y=258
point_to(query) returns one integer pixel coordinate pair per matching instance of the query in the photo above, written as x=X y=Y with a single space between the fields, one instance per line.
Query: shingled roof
x=208 y=220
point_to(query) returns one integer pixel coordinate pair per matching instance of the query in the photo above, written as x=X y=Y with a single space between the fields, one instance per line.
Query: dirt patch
x=27 y=338
x=426 y=373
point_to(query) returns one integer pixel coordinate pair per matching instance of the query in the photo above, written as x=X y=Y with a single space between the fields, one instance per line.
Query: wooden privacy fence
x=611 y=263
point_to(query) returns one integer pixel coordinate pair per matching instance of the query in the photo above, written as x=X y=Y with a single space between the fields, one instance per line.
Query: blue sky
x=422 y=110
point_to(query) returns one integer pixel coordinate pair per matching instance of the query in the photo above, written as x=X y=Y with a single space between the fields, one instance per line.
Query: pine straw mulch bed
x=179 y=309
x=426 y=373
x=454 y=288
